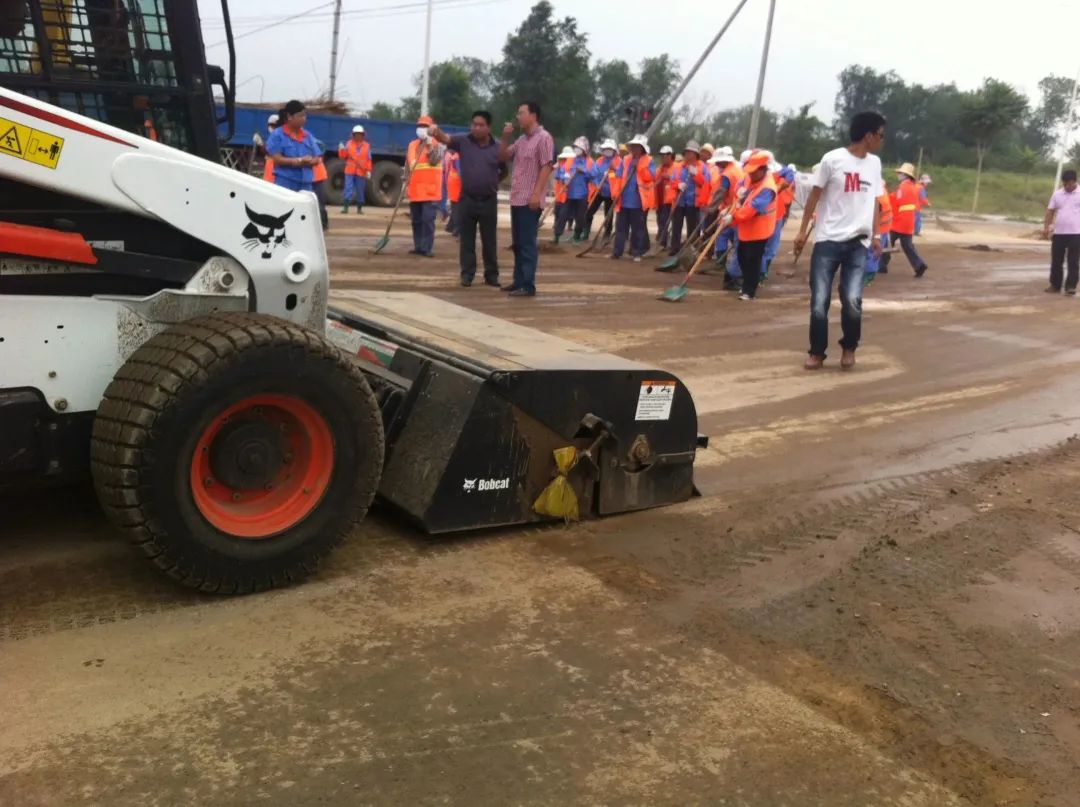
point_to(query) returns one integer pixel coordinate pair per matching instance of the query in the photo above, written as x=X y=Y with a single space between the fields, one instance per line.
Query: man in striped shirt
x=533 y=156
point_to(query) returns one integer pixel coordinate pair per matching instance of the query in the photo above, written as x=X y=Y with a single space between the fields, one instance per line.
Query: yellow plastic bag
x=559 y=499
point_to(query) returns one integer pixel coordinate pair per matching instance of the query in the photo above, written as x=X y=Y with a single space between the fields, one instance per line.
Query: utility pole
x=669 y=104
x=1068 y=130
x=755 y=118
x=427 y=62
x=333 y=49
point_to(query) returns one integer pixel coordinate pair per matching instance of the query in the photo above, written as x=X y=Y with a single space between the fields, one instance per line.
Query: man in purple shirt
x=533 y=156
x=1063 y=213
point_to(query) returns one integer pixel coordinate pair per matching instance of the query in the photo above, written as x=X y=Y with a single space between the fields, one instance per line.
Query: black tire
x=335 y=181
x=385 y=184
x=167 y=394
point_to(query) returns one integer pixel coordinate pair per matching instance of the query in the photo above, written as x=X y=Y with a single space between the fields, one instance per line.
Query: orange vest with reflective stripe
x=885 y=217
x=425 y=183
x=357 y=158
x=453 y=178
x=733 y=171
x=905 y=203
x=318 y=173
x=705 y=189
x=754 y=226
x=646 y=185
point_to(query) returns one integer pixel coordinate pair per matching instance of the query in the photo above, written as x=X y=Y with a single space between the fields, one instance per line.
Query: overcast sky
x=813 y=40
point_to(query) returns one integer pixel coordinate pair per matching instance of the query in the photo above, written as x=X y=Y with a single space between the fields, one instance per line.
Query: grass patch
x=1002 y=193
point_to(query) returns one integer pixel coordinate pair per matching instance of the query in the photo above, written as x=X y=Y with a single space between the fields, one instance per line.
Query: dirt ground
x=875 y=602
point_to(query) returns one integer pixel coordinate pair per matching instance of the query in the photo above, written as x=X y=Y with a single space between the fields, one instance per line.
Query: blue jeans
x=423 y=225
x=723 y=241
x=524 y=224
x=355 y=189
x=772 y=248
x=850 y=258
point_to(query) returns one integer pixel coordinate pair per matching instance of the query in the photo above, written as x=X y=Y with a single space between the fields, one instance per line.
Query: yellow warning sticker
x=29 y=144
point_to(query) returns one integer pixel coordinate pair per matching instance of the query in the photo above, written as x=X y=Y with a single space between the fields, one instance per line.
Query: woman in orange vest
x=905 y=204
x=357 y=156
x=424 y=160
x=634 y=192
x=562 y=167
x=667 y=188
x=755 y=220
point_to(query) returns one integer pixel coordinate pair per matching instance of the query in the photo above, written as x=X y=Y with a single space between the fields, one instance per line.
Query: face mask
x=609 y=153
x=579 y=152
x=421 y=132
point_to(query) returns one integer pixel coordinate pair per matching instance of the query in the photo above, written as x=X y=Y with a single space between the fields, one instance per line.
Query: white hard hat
x=358 y=129
x=667 y=150
x=609 y=144
x=272 y=120
x=567 y=153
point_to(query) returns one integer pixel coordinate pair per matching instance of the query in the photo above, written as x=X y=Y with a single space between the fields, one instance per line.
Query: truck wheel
x=236 y=450
x=385 y=185
x=335 y=181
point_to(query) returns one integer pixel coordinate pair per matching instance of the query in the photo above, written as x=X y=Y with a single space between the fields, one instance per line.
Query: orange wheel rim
x=262 y=465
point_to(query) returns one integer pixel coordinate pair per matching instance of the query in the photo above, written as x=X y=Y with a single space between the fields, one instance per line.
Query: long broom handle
x=404 y=189
x=701 y=256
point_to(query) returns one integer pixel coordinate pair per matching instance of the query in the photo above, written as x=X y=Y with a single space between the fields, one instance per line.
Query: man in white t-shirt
x=846 y=186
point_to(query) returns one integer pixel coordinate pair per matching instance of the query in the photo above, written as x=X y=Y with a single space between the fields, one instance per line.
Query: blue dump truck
x=389 y=142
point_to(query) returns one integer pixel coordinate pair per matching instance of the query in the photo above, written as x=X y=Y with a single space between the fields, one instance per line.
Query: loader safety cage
x=138 y=65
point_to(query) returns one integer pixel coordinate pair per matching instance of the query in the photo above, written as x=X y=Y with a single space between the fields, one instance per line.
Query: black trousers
x=631 y=223
x=663 y=224
x=1062 y=246
x=907 y=244
x=692 y=217
x=750 y=255
x=473 y=212
x=573 y=210
x=598 y=200
x=320 y=193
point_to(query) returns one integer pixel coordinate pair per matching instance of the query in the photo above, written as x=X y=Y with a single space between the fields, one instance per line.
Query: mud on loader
x=167 y=326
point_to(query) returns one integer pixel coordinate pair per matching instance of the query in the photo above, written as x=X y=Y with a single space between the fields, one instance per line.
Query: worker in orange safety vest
x=425 y=188
x=885 y=222
x=634 y=192
x=905 y=204
x=666 y=190
x=755 y=219
x=452 y=178
x=357 y=156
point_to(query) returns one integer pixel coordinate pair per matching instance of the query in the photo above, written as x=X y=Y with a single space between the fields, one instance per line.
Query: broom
x=383 y=242
x=677 y=293
x=607 y=219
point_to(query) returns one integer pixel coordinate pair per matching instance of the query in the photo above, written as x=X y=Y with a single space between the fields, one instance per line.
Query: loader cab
x=138 y=65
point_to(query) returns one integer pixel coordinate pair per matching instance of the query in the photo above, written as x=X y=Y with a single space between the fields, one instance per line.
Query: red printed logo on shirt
x=852 y=183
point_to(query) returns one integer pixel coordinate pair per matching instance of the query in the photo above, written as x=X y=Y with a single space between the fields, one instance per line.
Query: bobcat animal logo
x=470 y=485
x=265 y=231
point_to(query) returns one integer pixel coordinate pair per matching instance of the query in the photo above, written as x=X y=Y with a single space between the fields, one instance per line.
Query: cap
x=639 y=140
x=609 y=144
x=273 y=120
x=709 y=147
x=566 y=153
x=692 y=145
x=758 y=159
x=358 y=129
x=667 y=150
x=425 y=120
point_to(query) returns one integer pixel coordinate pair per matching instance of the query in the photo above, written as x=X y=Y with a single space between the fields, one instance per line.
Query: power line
x=311 y=16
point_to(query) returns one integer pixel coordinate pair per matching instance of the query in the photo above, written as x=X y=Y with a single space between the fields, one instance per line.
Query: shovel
x=383 y=242
x=677 y=293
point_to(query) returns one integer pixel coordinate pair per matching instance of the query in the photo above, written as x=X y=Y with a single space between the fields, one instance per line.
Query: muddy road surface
x=875 y=602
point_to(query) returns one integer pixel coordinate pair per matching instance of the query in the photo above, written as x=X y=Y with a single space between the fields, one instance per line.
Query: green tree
x=547 y=61
x=986 y=114
x=383 y=111
x=802 y=138
x=451 y=95
x=731 y=127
